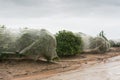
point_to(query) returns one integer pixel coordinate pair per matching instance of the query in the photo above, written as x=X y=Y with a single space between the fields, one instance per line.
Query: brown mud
x=25 y=69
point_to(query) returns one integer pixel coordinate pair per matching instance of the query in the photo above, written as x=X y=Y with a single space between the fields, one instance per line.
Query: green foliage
x=114 y=43
x=117 y=44
x=68 y=44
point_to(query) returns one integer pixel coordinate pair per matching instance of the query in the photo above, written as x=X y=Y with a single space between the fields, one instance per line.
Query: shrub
x=117 y=44
x=114 y=43
x=67 y=43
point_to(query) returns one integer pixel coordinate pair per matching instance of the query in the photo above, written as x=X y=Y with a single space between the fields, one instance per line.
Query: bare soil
x=26 y=69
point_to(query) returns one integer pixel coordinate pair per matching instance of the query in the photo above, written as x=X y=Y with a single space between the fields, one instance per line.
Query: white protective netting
x=29 y=42
x=93 y=44
x=37 y=43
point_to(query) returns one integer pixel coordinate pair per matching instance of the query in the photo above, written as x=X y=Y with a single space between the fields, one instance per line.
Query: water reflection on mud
x=105 y=71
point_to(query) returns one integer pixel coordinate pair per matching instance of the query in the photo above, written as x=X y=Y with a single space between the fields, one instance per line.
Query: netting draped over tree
x=7 y=40
x=29 y=42
x=100 y=44
x=37 y=43
x=94 y=44
x=86 y=40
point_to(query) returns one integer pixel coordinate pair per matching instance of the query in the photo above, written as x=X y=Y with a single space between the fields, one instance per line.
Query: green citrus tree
x=68 y=44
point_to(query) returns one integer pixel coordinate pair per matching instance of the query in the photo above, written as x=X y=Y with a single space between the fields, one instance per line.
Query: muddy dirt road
x=86 y=66
x=104 y=71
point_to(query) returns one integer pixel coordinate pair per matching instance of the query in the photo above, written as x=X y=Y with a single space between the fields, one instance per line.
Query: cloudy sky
x=87 y=16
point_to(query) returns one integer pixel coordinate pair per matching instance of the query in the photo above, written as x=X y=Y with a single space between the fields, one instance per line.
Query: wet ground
x=109 y=70
x=87 y=66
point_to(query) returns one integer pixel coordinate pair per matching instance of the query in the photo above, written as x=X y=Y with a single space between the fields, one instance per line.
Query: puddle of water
x=106 y=71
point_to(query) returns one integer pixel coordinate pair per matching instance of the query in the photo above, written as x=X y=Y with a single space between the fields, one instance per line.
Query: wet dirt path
x=79 y=67
x=109 y=70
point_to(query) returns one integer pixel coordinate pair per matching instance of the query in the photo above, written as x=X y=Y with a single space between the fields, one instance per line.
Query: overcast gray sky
x=87 y=16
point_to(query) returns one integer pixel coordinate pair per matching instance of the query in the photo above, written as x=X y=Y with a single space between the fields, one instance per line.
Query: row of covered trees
x=42 y=43
x=70 y=43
